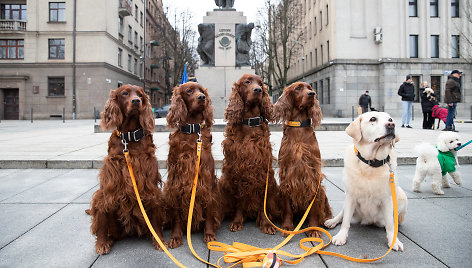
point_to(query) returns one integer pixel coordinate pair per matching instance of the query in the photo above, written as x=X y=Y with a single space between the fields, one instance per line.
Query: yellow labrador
x=366 y=177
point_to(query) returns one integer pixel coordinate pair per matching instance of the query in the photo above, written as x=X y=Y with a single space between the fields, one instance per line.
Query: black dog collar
x=136 y=135
x=373 y=163
x=254 y=121
x=191 y=128
x=304 y=123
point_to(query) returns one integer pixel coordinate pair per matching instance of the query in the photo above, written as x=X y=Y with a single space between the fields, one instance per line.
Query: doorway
x=11 y=104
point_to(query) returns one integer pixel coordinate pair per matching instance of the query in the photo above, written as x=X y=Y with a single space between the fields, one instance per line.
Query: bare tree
x=277 y=36
x=464 y=48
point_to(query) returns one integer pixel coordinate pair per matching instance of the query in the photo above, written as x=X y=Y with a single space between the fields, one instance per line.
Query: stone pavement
x=43 y=224
x=74 y=144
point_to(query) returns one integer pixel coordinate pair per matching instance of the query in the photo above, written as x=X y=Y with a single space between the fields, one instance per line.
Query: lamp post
x=303 y=59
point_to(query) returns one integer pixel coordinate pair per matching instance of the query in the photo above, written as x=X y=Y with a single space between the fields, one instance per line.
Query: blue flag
x=184 y=75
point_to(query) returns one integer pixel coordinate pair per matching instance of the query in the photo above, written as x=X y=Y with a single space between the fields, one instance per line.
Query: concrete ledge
x=334 y=126
x=96 y=164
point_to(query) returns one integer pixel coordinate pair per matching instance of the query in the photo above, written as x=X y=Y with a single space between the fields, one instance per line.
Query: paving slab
x=64 y=240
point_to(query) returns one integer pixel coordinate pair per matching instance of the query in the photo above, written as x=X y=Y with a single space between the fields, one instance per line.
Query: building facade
x=350 y=46
x=67 y=55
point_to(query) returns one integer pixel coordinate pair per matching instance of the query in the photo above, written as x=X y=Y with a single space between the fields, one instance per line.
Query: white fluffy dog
x=366 y=178
x=436 y=163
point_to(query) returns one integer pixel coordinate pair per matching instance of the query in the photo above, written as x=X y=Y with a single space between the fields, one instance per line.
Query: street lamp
x=303 y=59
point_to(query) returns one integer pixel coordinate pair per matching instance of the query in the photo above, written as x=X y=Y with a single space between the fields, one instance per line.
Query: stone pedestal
x=219 y=81
x=219 y=78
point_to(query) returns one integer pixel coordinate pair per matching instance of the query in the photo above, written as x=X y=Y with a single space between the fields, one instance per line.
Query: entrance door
x=11 y=104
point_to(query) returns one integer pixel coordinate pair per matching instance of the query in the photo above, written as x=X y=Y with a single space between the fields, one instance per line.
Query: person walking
x=407 y=92
x=428 y=100
x=452 y=97
x=365 y=102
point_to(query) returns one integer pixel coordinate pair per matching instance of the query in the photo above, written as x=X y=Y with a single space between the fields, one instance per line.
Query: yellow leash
x=130 y=168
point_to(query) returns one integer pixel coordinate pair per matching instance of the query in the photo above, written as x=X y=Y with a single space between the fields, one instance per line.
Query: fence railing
x=12 y=25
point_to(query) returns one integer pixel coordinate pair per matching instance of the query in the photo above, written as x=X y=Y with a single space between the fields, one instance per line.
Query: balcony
x=12 y=26
x=155 y=66
x=125 y=8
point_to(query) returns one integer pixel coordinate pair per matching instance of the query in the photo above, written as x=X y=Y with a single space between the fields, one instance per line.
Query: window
x=436 y=86
x=140 y=69
x=57 y=11
x=321 y=96
x=316 y=27
x=327 y=15
x=135 y=66
x=327 y=48
x=321 y=20
x=55 y=86
x=309 y=30
x=454 y=8
x=120 y=54
x=136 y=12
x=416 y=84
x=141 y=18
x=12 y=49
x=56 y=48
x=311 y=59
x=413 y=46
x=433 y=8
x=13 y=12
x=141 y=43
x=316 y=57
x=120 y=26
x=413 y=8
x=130 y=34
x=321 y=54
x=455 y=46
x=135 y=39
x=129 y=62
x=434 y=46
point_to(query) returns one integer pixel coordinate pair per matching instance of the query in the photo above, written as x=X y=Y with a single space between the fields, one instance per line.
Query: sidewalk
x=74 y=144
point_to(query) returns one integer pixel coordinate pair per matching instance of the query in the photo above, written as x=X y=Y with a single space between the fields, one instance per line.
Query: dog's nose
x=258 y=90
x=459 y=144
x=201 y=97
x=135 y=101
x=311 y=93
x=390 y=125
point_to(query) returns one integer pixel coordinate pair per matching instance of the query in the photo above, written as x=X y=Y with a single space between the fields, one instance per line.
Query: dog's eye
x=125 y=93
x=373 y=119
x=247 y=82
x=390 y=120
x=190 y=90
x=298 y=88
x=140 y=95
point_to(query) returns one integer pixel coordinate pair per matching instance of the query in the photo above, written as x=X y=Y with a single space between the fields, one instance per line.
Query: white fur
x=427 y=163
x=368 y=196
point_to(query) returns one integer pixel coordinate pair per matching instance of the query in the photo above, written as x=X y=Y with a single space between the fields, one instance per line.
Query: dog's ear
x=315 y=113
x=177 y=110
x=283 y=106
x=208 y=111
x=354 y=129
x=267 y=105
x=111 y=115
x=147 y=116
x=442 y=146
x=234 y=110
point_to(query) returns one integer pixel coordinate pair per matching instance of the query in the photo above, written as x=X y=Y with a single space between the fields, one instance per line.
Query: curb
x=96 y=164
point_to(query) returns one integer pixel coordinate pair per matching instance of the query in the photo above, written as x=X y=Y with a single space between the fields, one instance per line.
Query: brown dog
x=114 y=208
x=247 y=153
x=300 y=158
x=191 y=113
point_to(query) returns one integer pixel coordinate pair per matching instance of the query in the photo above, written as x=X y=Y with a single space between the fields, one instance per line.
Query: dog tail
x=426 y=151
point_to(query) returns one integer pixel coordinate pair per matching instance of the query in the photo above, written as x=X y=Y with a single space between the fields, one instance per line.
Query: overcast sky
x=198 y=8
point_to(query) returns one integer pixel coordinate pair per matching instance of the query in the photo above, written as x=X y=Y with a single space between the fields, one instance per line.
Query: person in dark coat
x=428 y=100
x=365 y=102
x=407 y=92
x=452 y=97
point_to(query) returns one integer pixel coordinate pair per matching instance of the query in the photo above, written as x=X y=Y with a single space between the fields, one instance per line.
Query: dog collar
x=374 y=162
x=254 y=121
x=191 y=128
x=304 y=123
x=136 y=135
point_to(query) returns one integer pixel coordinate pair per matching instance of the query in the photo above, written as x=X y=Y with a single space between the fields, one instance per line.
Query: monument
x=223 y=46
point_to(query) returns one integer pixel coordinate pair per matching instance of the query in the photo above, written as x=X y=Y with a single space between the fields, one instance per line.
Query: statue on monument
x=206 y=43
x=243 y=43
x=224 y=3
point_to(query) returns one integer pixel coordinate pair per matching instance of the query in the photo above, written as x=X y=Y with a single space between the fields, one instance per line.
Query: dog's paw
x=287 y=227
x=330 y=223
x=156 y=244
x=457 y=180
x=235 y=226
x=175 y=242
x=103 y=247
x=438 y=191
x=314 y=233
x=268 y=229
x=445 y=182
x=340 y=239
x=209 y=237
x=398 y=246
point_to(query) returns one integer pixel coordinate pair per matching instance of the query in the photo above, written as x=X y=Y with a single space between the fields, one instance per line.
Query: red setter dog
x=300 y=158
x=191 y=113
x=114 y=208
x=247 y=152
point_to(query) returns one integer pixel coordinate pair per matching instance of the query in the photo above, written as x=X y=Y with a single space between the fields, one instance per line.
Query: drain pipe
x=74 y=32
